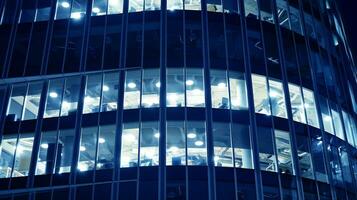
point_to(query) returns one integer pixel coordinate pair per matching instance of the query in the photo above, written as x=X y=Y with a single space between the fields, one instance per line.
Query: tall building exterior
x=172 y=99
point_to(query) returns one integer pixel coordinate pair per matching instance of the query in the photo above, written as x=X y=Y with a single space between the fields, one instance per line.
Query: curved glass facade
x=168 y=99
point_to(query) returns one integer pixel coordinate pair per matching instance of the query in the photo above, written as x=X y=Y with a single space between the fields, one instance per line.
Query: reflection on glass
x=277 y=100
x=310 y=108
x=196 y=143
x=23 y=155
x=260 y=90
x=238 y=91
x=266 y=150
x=151 y=88
x=175 y=143
x=70 y=96
x=175 y=88
x=222 y=145
x=304 y=157
x=78 y=10
x=195 y=94
x=243 y=157
x=87 y=149
x=326 y=117
x=132 y=89
x=149 y=144
x=348 y=127
x=337 y=124
x=47 y=153
x=16 y=102
x=318 y=158
x=297 y=105
x=63 y=9
x=105 y=143
x=110 y=91
x=219 y=89
x=129 y=145
x=7 y=154
x=54 y=98
x=92 y=94
x=283 y=149
x=64 y=151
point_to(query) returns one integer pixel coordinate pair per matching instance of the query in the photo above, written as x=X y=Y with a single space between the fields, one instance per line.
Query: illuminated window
x=219 y=89
x=222 y=145
x=136 y=5
x=99 y=7
x=175 y=143
x=87 y=148
x=70 y=96
x=151 y=88
x=129 y=145
x=260 y=90
x=196 y=143
x=92 y=93
x=23 y=155
x=7 y=154
x=238 y=92
x=310 y=108
x=283 y=149
x=16 y=102
x=132 y=89
x=110 y=91
x=54 y=98
x=149 y=144
x=105 y=143
x=267 y=157
x=297 y=105
x=115 y=6
x=277 y=99
x=47 y=153
x=195 y=94
x=175 y=88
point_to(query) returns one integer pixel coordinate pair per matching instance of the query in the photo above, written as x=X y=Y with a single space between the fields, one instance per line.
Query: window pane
x=78 y=10
x=99 y=7
x=196 y=143
x=175 y=88
x=337 y=123
x=132 y=89
x=277 y=100
x=106 y=142
x=318 y=158
x=348 y=128
x=174 y=5
x=54 y=97
x=110 y=91
x=310 y=108
x=242 y=149
x=175 y=143
x=192 y=4
x=283 y=149
x=87 y=149
x=16 y=102
x=152 y=4
x=92 y=94
x=219 y=89
x=260 y=90
x=326 y=117
x=47 y=153
x=23 y=155
x=32 y=101
x=297 y=105
x=136 y=5
x=115 y=6
x=304 y=157
x=266 y=150
x=195 y=95
x=129 y=145
x=149 y=144
x=151 y=88
x=64 y=151
x=70 y=96
x=63 y=9
x=238 y=91
x=222 y=145
x=7 y=154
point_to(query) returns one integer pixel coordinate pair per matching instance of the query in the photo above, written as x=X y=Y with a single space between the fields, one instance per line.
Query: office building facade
x=171 y=99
